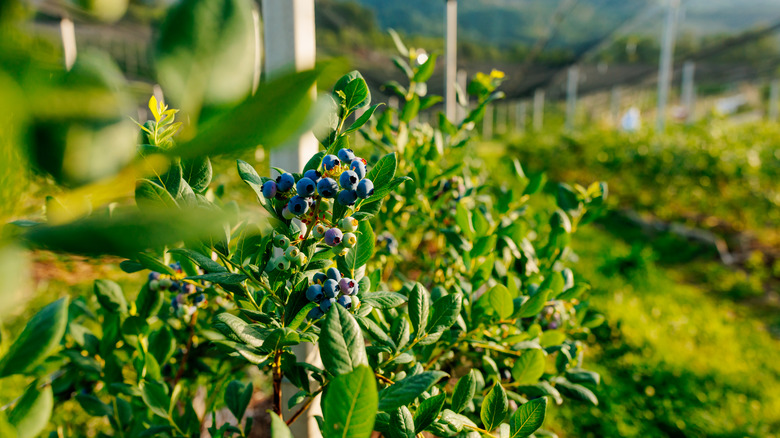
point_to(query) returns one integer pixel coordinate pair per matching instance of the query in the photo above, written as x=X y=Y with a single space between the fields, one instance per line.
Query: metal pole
x=571 y=97
x=290 y=45
x=688 y=92
x=538 y=109
x=665 y=67
x=451 y=59
x=774 y=96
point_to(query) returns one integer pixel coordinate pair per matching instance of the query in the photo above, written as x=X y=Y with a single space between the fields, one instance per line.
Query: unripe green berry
x=292 y=252
x=299 y=260
x=281 y=263
x=281 y=241
x=349 y=224
x=319 y=231
x=349 y=240
x=343 y=251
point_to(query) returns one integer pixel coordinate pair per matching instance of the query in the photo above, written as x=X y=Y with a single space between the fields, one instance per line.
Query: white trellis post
x=487 y=123
x=501 y=112
x=68 y=32
x=538 y=109
x=688 y=92
x=614 y=105
x=665 y=66
x=290 y=45
x=774 y=96
x=520 y=111
x=451 y=60
x=571 y=96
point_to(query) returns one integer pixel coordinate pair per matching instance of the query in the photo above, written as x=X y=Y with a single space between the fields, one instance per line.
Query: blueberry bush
x=439 y=295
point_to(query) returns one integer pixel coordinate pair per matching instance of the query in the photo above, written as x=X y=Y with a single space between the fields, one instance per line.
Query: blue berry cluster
x=345 y=170
x=188 y=298
x=330 y=288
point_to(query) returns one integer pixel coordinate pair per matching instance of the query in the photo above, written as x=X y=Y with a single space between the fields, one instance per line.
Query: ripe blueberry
x=349 y=180
x=358 y=167
x=297 y=205
x=313 y=175
x=315 y=313
x=346 y=155
x=269 y=189
x=349 y=240
x=349 y=224
x=154 y=276
x=319 y=278
x=314 y=293
x=330 y=288
x=327 y=187
x=347 y=197
x=330 y=161
x=345 y=301
x=347 y=285
x=334 y=274
x=306 y=187
x=333 y=236
x=286 y=182
x=365 y=188
x=326 y=303
x=199 y=299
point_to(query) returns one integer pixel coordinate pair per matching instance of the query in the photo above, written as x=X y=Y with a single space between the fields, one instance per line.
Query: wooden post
x=290 y=45
x=774 y=96
x=521 y=108
x=538 y=109
x=451 y=60
x=665 y=66
x=487 y=123
x=688 y=92
x=614 y=105
x=462 y=111
x=571 y=96
x=68 y=32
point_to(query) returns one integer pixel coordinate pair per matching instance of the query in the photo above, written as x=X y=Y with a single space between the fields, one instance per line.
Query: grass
x=676 y=359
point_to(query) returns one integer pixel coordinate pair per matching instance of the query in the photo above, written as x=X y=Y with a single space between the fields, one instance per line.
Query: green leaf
x=31 y=414
x=246 y=333
x=279 y=428
x=445 y=312
x=463 y=219
x=314 y=162
x=341 y=342
x=220 y=278
x=383 y=300
x=418 y=309
x=279 y=110
x=528 y=418
x=529 y=367
x=428 y=411
x=464 y=392
x=383 y=191
x=363 y=119
x=405 y=391
x=205 y=53
x=399 y=44
x=501 y=301
x=197 y=172
x=579 y=375
x=494 y=407
x=410 y=109
x=361 y=253
x=533 y=305
x=350 y=404
x=150 y=196
x=39 y=338
x=110 y=296
x=576 y=392
x=401 y=424
x=199 y=259
x=383 y=171
x=93 y=405
x=237 y=397
x=155 y=395
x=425 y=71
x=352 y=90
